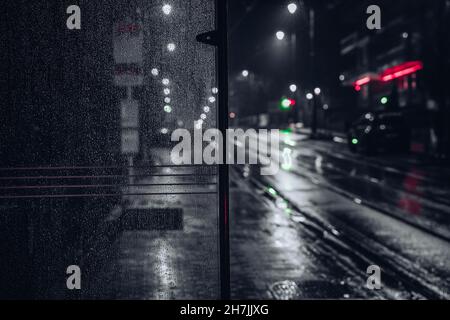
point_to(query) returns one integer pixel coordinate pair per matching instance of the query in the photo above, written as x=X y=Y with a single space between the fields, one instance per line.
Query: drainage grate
x=285 y=290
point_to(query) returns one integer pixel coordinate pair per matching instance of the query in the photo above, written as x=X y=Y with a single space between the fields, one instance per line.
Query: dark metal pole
x=224 y=220
x=219 y=38
x=312 y=54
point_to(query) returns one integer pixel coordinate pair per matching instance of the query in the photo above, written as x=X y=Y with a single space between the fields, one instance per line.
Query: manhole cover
x=284 y=290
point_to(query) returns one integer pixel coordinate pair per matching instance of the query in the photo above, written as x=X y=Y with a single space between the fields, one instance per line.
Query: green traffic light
x=384 y=100
x=355 y=141
x=285 y=104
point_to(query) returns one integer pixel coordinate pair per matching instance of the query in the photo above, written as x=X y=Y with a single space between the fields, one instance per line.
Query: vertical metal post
x=130 y=170
x=312 y=54
x=293 y=26
x=130 y=157
x=224 y=220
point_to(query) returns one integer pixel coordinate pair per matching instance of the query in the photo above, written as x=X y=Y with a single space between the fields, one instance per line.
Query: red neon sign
x=401 y=70
x=366 y=79
x=362 y=81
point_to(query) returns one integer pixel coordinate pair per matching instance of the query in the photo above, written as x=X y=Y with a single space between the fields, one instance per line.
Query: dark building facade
x=400 y=67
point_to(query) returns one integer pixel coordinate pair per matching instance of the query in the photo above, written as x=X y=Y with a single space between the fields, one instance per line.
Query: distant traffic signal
x=286 y=104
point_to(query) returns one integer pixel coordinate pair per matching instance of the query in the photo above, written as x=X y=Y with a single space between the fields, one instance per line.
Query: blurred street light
x=245 y=73
x=212 y=99
x=342 y=77
x=155 y=72
x=166 y=91
x=292 y=8
x=280 y=35
x=167 y=108
x=171 y=47
x=214 y=90
x=167 y=9
x=203 y=116
x=293 y=88
x=317 y=91
x=309 y=96
x=206 y=109
x=167 y=100
x=165 y=81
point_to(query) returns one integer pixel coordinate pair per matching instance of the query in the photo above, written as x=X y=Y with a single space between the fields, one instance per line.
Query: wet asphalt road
x=365 y=211
x=417 y=192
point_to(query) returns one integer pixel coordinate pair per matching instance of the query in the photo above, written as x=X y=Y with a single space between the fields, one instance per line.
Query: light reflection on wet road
x=418 y=258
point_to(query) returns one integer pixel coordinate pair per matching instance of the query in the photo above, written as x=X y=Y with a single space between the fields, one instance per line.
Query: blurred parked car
x=379 y=131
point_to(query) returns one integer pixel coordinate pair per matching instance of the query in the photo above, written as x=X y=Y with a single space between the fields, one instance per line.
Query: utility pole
x=312 y=55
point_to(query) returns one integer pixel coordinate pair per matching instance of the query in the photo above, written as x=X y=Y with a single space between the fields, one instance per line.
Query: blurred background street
x=87 y=178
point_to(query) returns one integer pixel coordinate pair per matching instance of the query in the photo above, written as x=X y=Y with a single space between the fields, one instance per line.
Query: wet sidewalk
x=174 y=258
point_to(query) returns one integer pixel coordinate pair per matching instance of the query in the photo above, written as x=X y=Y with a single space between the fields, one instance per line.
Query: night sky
x=253 y=46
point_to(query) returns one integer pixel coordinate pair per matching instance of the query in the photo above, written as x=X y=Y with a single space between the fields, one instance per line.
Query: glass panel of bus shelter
x=88 y=187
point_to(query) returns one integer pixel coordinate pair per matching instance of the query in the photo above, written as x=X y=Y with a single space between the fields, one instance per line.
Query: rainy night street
x=301 y=234
x=327 y=207
x=202 y=151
